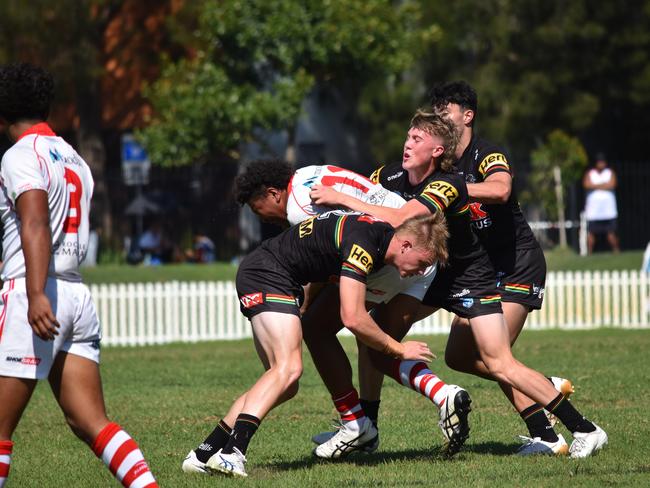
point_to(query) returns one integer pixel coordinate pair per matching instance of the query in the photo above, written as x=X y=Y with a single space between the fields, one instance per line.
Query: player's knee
x=499 y=368
x=289 y=374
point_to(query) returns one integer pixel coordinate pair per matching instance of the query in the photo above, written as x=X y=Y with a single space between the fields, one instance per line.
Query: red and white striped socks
x=417 y=376
x=349 y=408
x=5 y=460
x=123 y=457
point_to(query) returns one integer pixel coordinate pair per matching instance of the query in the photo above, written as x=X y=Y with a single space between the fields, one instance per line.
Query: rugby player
x=513 y=250
x=277 y=193
x=269 y=286
x=48 y=325
x=467 y=286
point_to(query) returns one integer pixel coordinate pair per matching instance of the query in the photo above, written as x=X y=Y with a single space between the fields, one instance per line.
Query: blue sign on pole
x=135 y=162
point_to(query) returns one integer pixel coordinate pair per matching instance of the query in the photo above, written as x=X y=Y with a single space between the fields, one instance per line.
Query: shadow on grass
x=435 y=454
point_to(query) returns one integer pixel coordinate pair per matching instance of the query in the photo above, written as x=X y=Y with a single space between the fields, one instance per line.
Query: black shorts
x=521 y=275
x=264 y=286
x=466 y=288
x=601 y=226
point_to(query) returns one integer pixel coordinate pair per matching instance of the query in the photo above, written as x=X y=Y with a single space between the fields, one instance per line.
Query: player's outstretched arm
x=360 y=323
x=326 y=195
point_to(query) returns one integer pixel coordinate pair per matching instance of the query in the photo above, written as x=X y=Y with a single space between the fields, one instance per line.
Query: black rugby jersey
x=497 y=225
x=441 y=191
x=335 y=243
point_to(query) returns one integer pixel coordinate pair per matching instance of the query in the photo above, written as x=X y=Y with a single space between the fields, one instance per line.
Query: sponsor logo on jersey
x=480 y=218
x=374 y=177
x=491 y=162
x=27 y=360
x=464 y=292
x=360 y=258
x=306 y=228
x=309 y=182
x=54 y=154
x=442 y=192
x=252 y=299
x=395 y=176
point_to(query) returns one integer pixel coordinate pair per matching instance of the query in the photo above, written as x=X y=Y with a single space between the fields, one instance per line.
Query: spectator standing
x=600 y=207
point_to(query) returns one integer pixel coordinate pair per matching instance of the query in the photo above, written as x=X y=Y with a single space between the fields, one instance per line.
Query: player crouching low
x=269 y=286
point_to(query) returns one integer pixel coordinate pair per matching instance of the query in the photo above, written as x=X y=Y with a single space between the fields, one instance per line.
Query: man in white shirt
x=600 y=207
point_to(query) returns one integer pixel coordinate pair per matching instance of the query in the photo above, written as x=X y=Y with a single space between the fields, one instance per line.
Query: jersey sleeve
x=359 y=251
x=23 y=170
x=440 y=195
x=492 y=160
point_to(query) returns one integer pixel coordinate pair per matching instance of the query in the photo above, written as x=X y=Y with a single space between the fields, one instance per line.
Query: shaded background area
x=208 y=86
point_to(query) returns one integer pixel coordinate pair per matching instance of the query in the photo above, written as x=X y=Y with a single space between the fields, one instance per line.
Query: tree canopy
x=253 y=62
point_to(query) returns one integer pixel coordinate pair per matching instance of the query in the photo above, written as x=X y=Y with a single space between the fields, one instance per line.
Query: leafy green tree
x=541 y=64
x=253 y=63
x=559 y=151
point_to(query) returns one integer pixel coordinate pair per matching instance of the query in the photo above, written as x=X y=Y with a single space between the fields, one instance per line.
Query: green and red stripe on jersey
x=338 y=231
x=517 y=288
x=351 y=268
x=490 y=299
x=287 y=299
x=435 y=201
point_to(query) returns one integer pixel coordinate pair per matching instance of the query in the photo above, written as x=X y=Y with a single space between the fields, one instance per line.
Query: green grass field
x=124 y=273
x=169 y=398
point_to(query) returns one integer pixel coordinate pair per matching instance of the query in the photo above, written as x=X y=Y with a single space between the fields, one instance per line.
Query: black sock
x=371 y=409
x=245 y=426
x=569 y=416
x=537 y=423
x=217 y=439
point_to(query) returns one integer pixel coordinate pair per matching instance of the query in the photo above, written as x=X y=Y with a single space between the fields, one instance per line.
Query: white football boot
x=191 y=464
x=454 y=418
x=532 y=446
x=323 y=437
x=586 y=443
x=347 y=440
x=230 y=464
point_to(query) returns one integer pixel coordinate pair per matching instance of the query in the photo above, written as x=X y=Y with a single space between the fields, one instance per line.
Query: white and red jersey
x=300 y=206
x=40 y=160
x=384 y=284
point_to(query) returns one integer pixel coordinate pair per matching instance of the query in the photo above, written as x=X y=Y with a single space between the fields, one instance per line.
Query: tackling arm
x=325 y=195
x=355 y=318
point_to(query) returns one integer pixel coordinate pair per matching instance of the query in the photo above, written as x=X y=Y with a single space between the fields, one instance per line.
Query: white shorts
x=25 y=355
x=387 y=283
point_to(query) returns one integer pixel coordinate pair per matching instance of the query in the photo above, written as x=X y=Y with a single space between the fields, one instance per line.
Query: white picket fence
x=158 y=313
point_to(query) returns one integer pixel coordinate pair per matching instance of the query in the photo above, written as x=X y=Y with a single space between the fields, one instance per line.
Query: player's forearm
x=496 y=192
x=36 y=241
x=391 y=215
x=367 y=331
